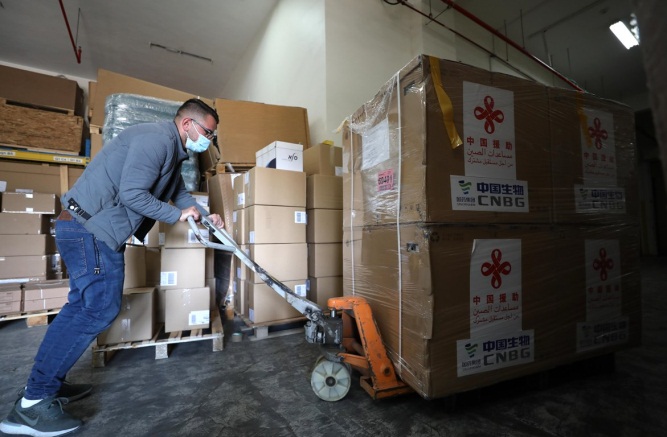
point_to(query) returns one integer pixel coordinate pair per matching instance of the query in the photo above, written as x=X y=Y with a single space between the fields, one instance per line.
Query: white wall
x=285 y=64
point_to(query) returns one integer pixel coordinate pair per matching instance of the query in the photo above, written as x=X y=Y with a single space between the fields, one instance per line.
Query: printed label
x=375 y=145
x=240 y=199
x=601 y=334
x=300 y=290
x=488 y=127
x=300 y=217
x=200 y=317
x=192 y=237
x=608 y=200
x=251 y=237
x=492 y=352
x=484 y=194
x=386 y=180
x=168 y=278
x=598 y=147
x=495 y=287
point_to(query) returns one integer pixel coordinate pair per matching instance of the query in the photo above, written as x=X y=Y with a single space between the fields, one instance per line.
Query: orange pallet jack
x=348 y=335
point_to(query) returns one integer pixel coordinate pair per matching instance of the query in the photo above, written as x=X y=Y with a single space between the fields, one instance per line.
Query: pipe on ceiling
x=493 y=31
x=77 y=51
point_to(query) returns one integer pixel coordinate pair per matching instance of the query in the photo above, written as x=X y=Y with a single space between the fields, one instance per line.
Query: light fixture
x=624 y=35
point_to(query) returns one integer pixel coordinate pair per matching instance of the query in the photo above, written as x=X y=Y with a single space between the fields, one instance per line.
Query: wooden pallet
x=33 y=318
x=64 y=111
x=277 y=328
x=238 y=167
x=162 y=341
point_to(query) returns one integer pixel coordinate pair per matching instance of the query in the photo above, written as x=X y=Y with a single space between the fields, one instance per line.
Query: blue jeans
x=96 y=275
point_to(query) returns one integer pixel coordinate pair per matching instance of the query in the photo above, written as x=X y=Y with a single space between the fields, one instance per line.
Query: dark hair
x=197 y=107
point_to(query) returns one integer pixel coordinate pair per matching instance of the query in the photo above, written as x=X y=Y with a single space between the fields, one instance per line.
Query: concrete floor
x=261 y=388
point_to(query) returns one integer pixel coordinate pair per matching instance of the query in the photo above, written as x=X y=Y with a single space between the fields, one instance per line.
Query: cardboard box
x=182 y=268
x=27 y=267
x=39 y=89
x=96 y=143
x=208 y=159
x=187 y=309
x=33 y=203
x=285 y=262
x=281 y=155
x=324 y=192
x=153 y=258
x=239 y=226
x=136 y=320
x=455 y=164
x=10 y=293
x=320 y=290
x=325 y=259
x=19 y=245
x=268 y=186
x=240 y=288
x=463 y=287
x=246 y=127
x=135 y=267
x=221 y=197
x=240 y=270
x=38 y=178
x=202 y=200
x=265 y=305
x=593 y=158
x=324 y=226
x=57 y=131
x=11 y=307
x=109 y=83
x=46 y=290
x=239 y=192
x=152 y=238
x=275 y=224
x=325 y=159
x=44 y=304
x=181 y=235
x=25 y=224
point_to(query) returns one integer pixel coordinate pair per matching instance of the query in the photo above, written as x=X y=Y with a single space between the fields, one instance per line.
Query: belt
x=65 y=215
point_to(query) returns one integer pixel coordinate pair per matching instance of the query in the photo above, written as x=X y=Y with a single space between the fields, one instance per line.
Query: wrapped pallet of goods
x=490 y=224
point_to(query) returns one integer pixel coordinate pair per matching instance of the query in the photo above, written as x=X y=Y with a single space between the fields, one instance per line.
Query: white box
x=281 y=155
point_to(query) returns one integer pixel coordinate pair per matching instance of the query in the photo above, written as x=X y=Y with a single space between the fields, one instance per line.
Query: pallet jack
x=348 y=335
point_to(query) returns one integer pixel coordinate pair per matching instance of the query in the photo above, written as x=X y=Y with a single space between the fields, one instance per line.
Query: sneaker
x=69 y=391
x=44 y=419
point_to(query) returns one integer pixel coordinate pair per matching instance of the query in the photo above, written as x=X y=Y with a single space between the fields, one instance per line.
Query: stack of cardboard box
x=324 y=233
x=271 y=228
x=490 y=223
x=27 y=248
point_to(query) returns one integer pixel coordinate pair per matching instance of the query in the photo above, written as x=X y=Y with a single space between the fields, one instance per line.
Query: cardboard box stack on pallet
x=28 y=254
x=324 y=233
x=491 y=222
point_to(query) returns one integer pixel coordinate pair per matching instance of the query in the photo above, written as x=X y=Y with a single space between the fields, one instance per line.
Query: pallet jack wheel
x=330 y=380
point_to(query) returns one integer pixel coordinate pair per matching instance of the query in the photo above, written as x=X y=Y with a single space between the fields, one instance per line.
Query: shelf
x=55 y=158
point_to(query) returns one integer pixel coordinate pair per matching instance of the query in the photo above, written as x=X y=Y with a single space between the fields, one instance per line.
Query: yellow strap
x=445 y=104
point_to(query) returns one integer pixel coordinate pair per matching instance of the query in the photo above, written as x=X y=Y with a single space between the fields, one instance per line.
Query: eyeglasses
x=208 y=133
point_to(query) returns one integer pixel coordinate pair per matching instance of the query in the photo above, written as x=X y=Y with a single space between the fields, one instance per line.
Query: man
x=122 y=192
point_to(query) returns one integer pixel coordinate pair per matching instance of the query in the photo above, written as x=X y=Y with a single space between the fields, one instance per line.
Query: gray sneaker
x=44 y=419
x=69 y=391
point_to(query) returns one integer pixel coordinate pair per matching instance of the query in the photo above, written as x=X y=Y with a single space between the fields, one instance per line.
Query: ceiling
x=116 y=35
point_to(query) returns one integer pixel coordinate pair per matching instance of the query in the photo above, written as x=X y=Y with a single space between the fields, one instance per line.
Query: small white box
x=281 y=155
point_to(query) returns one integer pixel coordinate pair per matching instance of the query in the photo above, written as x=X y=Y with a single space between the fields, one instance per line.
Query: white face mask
x=198 y=146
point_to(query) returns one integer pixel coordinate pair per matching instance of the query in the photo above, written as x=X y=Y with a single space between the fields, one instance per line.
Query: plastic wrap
x=125 y=110
x=488 y=239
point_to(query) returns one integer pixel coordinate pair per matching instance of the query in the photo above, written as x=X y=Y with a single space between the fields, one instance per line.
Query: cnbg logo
x=465 y=186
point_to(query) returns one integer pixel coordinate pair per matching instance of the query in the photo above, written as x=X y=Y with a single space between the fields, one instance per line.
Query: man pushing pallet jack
x=348 y=334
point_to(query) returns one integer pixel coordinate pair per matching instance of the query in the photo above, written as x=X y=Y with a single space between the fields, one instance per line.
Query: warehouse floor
x=261 y=388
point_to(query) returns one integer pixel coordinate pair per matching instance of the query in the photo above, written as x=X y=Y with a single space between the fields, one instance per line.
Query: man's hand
x=189 y=212
x=216 y=220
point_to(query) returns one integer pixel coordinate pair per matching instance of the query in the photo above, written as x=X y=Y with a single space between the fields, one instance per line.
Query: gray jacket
x=128 y=185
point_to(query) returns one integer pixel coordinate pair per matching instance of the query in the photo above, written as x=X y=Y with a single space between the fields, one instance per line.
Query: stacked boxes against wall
x=491 y=224
x=324 y=232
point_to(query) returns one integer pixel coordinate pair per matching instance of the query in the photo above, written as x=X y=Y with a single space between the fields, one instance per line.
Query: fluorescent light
x=624 y=35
